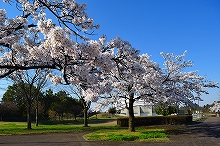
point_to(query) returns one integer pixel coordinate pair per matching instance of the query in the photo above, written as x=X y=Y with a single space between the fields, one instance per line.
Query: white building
x=139 y=110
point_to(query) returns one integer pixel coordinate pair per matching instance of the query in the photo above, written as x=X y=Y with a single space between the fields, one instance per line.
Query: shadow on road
x=208 y=128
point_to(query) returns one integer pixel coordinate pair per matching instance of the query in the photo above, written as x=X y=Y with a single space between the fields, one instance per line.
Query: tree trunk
x=85 y=110
x=37 y=116
x=37 y=113
x=74 y=116
x=131 y=113
x=59 y=117
x=29 y=117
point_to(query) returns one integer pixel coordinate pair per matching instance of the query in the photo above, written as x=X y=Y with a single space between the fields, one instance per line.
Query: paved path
x=206 y=133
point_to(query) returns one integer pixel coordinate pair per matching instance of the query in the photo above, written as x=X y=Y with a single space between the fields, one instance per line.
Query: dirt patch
x=109 y=123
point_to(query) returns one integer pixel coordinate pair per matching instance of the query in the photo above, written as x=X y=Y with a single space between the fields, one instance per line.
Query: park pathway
x=206 y=133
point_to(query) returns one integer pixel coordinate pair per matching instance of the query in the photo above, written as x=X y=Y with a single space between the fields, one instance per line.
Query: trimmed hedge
x=156 y=120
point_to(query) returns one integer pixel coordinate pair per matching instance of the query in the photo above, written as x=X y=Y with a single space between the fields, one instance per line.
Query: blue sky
x=171 y=26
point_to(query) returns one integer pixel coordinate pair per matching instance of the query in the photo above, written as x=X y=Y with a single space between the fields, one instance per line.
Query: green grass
x=123 y=135
x=76 y=122
x=18 y=128
x=112 y=133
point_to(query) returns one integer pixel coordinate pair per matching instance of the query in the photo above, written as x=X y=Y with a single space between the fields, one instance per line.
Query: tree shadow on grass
x=76 y=122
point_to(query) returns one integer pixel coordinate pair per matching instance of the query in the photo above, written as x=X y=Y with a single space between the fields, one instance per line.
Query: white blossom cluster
x=179 y=85
x=215 y=107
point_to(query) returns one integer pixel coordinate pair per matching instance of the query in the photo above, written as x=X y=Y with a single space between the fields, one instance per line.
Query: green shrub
x=156 y=120
x=165 y=110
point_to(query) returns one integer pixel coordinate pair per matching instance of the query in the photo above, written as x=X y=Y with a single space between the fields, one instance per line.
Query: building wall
x=146 y=111
x=139 y=111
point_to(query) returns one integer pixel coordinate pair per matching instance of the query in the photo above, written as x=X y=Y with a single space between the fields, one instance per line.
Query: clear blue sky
x=170 y=26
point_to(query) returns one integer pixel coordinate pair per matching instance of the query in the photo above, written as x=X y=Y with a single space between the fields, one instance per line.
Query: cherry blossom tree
x=132 y=78
x=180 y=85
x=136 y=78
x=31 y=41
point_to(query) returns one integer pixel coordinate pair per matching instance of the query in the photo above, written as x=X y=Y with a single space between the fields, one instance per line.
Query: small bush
x=156 y=120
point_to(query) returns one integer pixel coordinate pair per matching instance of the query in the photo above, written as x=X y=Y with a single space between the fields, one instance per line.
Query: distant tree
x=112 y=110
x=8 y=109
x=17 y=94
x=28 y=90
x=206 y=108
x=92 y=113
x=60 y=103
x=46 y=101
x=75 y=107
x=14 y=95
x=32 y=82
x=78 y=91
x=163 y=109
x=63 y=103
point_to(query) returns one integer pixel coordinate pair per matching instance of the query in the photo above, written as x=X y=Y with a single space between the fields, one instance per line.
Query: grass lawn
x=97 y=132
x=140 y=134
x=16 y=128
